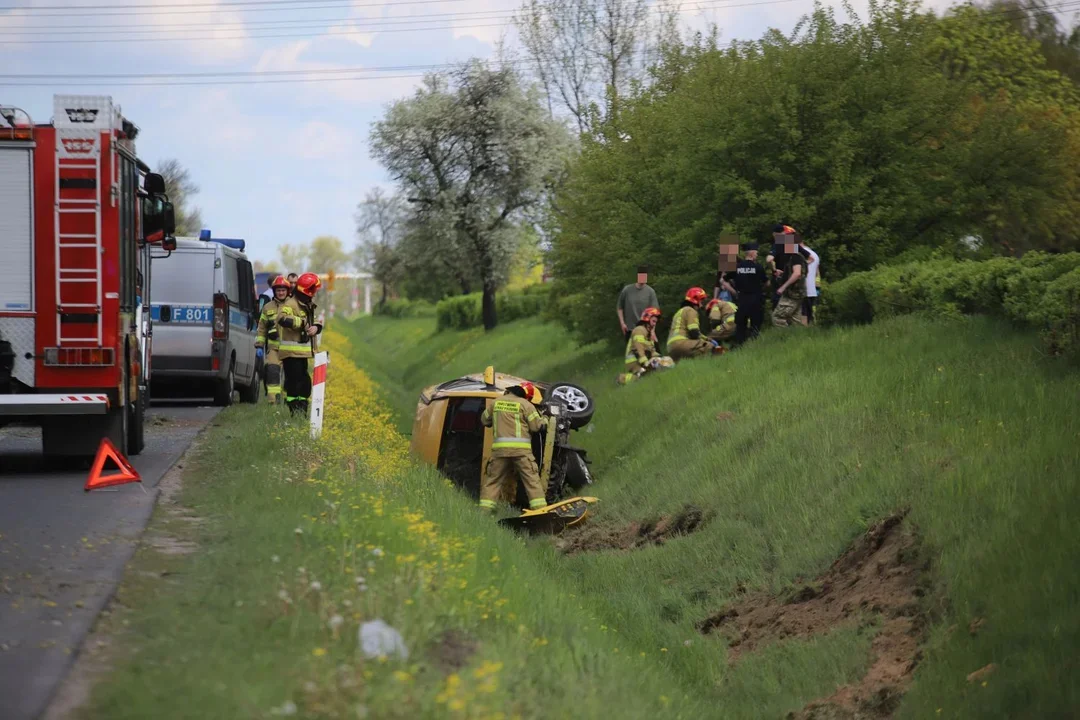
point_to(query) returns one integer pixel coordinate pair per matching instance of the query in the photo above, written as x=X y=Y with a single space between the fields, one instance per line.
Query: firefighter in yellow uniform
x=514 y=419
x=721 y=319
x=684 y=338
x=268 y=338
x=641 y=355
x=296 y=321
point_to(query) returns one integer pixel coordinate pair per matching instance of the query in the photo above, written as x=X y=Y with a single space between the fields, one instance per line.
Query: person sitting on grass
x=684 y=339
x=641 y=355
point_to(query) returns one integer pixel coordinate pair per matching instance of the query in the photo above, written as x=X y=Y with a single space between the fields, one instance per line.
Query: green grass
x=207 y=636
x=961 y=421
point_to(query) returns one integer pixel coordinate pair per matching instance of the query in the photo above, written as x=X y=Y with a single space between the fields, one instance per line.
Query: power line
x=127 y=27
x=224 y=3
x=154 y=10
x=294 y=23
x=327 y=74
x=348 y=32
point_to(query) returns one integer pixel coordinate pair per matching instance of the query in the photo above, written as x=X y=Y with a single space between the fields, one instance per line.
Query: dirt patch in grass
x=636 y=534
x=878 y=579
x=452 y=649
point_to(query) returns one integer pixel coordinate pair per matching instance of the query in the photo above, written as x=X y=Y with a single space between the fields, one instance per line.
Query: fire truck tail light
x=79 y=357
x=221 y=317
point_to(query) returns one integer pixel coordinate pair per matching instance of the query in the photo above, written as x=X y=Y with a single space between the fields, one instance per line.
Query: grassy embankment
x=961 y=422
x=296 y=547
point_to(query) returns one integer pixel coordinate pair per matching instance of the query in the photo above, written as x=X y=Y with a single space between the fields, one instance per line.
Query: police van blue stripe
x=184 y=314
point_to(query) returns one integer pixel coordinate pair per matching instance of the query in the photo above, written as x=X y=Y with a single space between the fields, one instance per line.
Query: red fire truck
x=76 y=236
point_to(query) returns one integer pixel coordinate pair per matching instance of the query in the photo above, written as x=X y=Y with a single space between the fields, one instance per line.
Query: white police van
x=204 y=318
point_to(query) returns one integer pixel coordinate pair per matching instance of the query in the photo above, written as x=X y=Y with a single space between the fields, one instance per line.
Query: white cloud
x=213 y=34
x=358 y=87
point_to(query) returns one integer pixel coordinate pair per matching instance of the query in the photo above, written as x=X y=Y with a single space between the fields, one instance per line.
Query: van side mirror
x=154 y=184
x=169 y=243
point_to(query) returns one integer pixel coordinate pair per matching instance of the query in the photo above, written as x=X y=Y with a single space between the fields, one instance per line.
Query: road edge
x=86 y=666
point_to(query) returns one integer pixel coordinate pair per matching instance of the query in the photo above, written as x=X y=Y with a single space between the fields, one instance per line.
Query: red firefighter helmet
x=308 y=284
x=531 y=393
x=696 y=295
x=712 y=303
x=280 y=282
x=649 y=313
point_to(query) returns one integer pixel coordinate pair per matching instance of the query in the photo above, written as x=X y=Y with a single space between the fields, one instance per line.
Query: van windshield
x=186 y=277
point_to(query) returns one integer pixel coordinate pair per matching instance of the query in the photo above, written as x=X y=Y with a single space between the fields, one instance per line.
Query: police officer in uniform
x=748 y=282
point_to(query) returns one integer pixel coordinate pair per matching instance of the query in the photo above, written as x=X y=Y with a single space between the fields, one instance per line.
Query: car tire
x=576 y=401
x=577 y=469
x=251 y=393
x=223 y=391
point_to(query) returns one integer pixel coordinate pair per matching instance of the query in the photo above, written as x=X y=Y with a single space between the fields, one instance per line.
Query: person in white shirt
x=812 y=263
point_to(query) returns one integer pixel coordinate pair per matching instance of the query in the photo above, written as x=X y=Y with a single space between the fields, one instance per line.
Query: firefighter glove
x=272 y=334
x=259 y=353
x=287 y=321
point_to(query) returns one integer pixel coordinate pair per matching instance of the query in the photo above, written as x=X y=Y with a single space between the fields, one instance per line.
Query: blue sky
x=276 y=163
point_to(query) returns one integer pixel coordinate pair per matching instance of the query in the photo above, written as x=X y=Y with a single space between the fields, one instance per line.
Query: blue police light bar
x=235 y=244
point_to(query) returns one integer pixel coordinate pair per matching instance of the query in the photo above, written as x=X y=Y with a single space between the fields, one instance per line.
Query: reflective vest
x=639 y=348
x=722 y=314
x=294 y=341
x=684 y=321
x=267 y=320
x=514 y=420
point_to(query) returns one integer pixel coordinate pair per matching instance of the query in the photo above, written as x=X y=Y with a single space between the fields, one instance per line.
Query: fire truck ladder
x=78 y=151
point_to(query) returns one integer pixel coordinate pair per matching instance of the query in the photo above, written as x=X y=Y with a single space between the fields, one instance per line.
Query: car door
x=249 y=309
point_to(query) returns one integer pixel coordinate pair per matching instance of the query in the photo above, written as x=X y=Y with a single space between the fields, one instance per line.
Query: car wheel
x=576 y=402
x=223 y=393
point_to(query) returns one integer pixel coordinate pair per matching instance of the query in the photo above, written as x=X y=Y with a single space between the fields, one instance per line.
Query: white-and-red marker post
x=318 y=393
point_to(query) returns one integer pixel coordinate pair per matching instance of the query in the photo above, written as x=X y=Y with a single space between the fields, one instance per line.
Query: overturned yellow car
x=448 y=434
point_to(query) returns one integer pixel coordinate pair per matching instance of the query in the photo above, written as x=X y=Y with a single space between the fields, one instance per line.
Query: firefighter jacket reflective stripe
x=268 y=322
x=639 y=348
x=293 y=320
x=684 y=323
x=722 y=315
x=514 y=420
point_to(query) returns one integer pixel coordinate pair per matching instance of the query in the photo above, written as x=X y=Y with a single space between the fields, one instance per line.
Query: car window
x=232 y=279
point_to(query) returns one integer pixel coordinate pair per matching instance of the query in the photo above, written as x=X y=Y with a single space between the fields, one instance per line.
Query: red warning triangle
x=107 y=451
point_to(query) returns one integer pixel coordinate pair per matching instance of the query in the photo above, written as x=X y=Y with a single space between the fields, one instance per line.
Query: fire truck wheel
x=223 y=392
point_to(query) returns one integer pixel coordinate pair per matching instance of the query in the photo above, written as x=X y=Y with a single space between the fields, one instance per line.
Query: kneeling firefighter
x=721 y=319
x=641 y=355
x=514 y=419
x=684 y=339
x=296 y=318
x=268 y=338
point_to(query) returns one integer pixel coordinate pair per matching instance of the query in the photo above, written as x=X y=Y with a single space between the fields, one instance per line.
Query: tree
x=870 y=137
x=475 y=155
x=294 y=258
x=585 y=53
x=269 y=267
x=180 y=188
x=380 y=225
x=327 y=253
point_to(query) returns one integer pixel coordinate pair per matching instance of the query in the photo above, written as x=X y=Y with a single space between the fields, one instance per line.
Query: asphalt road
x=63 y=551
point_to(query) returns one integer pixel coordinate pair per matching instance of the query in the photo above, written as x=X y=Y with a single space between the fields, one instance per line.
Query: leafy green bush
x=1039 y=290
x=405 y=308
x=462 y=312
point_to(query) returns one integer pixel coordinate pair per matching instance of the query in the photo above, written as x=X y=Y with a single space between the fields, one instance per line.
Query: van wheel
x=250 y=393
x=223 y=391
